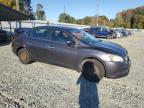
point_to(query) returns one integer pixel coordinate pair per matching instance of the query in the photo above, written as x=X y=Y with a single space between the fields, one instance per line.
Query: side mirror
x=70 y=43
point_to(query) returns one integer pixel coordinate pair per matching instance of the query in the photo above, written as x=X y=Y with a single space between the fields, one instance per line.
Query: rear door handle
x=29 y=43
x=51 y=47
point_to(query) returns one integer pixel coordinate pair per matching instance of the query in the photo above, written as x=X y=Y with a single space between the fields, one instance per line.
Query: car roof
x=100 y=27
x=57 y=27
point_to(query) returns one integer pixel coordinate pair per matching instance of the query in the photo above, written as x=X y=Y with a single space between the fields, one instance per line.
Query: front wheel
x=93 y=70
x=24 y=56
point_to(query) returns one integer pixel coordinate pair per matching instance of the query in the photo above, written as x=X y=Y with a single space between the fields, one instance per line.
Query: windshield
x=119 y=30
x=83 y=36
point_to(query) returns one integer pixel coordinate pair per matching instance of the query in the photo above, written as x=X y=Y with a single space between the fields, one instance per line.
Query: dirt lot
x=45 y=86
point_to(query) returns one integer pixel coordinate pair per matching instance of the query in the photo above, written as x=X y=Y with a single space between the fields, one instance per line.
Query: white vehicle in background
x=118 y=34
x=123 y=31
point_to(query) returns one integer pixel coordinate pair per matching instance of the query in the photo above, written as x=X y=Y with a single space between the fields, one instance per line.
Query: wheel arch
x=85 y=60
x=21 y=47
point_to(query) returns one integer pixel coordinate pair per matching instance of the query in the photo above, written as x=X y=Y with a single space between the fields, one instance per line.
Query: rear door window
x=41 y=33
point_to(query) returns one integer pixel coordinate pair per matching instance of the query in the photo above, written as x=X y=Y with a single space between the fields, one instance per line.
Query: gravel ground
x=40 y=85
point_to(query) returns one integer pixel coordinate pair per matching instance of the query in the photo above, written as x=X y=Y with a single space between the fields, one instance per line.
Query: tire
x=24 y=56
x=93 y=70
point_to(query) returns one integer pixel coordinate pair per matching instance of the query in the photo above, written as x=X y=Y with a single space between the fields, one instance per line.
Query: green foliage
x=91 y=20
x=137 y=21
x=139 y=10
x=110 y=23
x=40 y=13
x=24 y=6
x=131 y=18
x=65 y=18
x=87 y=20
x=10 y=3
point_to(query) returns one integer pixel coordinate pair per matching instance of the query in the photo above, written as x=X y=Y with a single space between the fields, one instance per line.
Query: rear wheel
x=24 y=56
x=93 y=70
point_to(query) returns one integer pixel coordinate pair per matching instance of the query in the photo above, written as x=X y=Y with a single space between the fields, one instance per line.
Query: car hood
x=109 y=47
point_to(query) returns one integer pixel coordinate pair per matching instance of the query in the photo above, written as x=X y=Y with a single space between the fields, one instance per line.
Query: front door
x=62 y=54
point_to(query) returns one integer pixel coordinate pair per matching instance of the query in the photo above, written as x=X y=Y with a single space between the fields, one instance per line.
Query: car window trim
x=30 y=36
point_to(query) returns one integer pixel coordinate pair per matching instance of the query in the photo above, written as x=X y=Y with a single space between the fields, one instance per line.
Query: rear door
x=37 y=44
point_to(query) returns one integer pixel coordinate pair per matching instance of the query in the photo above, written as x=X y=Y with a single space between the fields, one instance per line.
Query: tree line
x=24 y=5
x=10 y=3
x=131 y=18
x=88 y=20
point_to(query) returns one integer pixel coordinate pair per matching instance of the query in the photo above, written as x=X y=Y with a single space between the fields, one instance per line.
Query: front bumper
x=117 y=69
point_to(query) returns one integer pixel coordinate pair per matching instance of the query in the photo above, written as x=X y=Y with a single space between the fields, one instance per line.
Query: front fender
x=80 y=66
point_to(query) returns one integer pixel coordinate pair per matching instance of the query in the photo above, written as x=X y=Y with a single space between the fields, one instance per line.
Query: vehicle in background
x=114 y=35
x=5 y=36
x=71 y=48
x=117 y=34
x=123 y=31
x=88 y=30
x=100 y=32
x=129 y=32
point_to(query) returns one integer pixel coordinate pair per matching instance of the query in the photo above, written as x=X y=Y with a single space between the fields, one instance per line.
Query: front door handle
x=29 y=43
x=51 y=47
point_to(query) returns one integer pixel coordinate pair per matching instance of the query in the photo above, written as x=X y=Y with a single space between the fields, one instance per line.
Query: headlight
x=112 y=58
